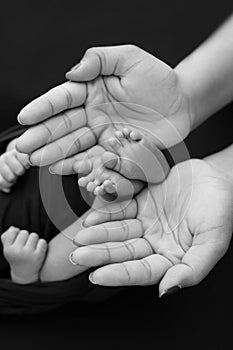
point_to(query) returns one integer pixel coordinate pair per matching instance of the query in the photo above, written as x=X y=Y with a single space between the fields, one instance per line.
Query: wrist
x=207 y=74
x=187 y=85
x=222 y=162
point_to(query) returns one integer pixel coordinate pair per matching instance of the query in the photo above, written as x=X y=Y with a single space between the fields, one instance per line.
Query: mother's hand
x=174 y=232
x=123 y=85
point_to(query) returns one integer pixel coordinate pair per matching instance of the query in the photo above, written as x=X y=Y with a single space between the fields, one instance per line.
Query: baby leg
x=135 y=157
x=100 y=180
x=25 y=253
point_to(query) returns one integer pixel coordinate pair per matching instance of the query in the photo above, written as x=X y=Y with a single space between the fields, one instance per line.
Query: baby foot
x=101 y=181
x=25 y=253
x=135 y=157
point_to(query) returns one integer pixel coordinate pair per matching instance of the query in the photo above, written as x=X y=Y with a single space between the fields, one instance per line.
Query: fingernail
x=169 y=291
x=6 y=190
x=75 y=67
x=51 y=171
x=77 y=244
x=84 y=224
x=75 y=263
x=19 y=120
x=91 y=278
x=27 y=165
x=71 y=258
x=30 y=163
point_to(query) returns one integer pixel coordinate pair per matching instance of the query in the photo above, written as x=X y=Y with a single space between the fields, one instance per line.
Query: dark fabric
x=24 y=208
x=39 y=42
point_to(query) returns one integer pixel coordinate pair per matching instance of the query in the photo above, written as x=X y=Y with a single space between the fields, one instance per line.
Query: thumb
x=112 y=60
x=194 y=267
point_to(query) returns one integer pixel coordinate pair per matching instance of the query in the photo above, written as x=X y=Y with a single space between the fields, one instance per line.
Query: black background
x=39 y=42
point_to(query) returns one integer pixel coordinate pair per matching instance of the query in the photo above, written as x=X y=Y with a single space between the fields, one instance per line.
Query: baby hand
x=12 y=165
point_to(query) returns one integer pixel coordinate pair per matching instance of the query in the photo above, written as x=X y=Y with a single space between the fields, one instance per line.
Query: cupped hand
x=112 y=87
x=173 y=233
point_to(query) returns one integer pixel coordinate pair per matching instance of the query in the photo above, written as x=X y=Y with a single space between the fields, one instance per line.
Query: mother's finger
x=65 y=147
x=108 y=253
x=69 y=166
x=109 y=60
x=146 y=271
x=51 y=130
x=116 y=231
x=64 y=166
x=60 y=98
x=112 y=212
x=198 y=261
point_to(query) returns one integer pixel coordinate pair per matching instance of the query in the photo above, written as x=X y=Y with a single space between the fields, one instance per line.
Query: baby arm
x=31 y=258
x=57 y=265
x=12 y=165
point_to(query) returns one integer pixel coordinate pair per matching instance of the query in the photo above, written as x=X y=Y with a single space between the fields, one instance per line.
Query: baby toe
x=119 y=135
x=124 y=188
x=135 y=135
x=115 y=144
x=126 y=132
x=83 y=166
x=99 y=191
x=109 y=186
x=83 y=181
x=91 y=187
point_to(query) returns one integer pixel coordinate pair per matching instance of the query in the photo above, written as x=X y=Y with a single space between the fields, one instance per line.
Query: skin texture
x=128 y=74
x=12 y=165
x=166 y=102
x=25 y=253
x=132 y=157
x=92 y=171
x=168 y=233
x=119 y=90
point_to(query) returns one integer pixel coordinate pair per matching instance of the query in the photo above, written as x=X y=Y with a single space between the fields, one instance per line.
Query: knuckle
x=10 y=177
x=91 y=50
x=12 y=251
x=131 y=48
x=19 y=171
x=6 y=250
x=43 y=243
x=34 y=235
